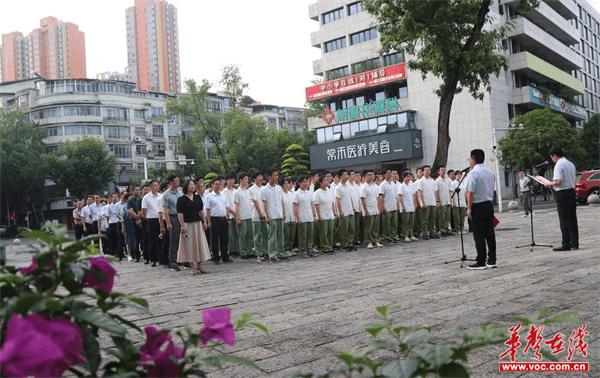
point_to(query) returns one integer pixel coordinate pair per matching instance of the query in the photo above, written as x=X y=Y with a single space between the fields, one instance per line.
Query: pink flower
x=101 y=275
x=27 y=270
x=217 y=326
x=159 y=354
x=36 y=346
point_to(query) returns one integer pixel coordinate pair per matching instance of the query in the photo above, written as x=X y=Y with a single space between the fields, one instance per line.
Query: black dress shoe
x=216 y=262
x=228 y=261
x=561 y=248
x=575 y=247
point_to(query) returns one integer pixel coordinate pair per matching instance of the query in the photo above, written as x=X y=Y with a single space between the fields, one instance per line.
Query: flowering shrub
x=53 y=311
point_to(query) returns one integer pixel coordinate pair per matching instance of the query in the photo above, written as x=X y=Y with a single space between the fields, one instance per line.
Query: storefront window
x=320 y=136
x=346 y=131
x=402 y=120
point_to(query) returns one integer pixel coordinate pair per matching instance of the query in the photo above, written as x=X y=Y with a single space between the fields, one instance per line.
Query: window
x=333 y=15
x=54 y=131
x=139 y=113
x=117 y=132
x=81 y=111
x=140 y=149
x=140 y=132
x=158 y=131
x=355 y=8
x=83 y=130
x=122 y=151
x=114 y=113
x=363 y=36
x=366 y=65
x=157 y=112
x=158 y=149
x=391 y=59
x=335 y=44
x=403 y=90
x=337 y=73
x=46 y=113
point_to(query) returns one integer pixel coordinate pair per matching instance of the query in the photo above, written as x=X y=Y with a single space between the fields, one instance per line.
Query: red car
x=587 y=183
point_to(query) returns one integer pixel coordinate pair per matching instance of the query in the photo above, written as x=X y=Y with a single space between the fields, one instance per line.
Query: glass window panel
x=403 y=92
x=379 y=96
x=354 y=127
x=382 y=120
x=332 y=106
x=360 y=100
x=381 y=129
x=346 y=131
x=391 y=120
x=373 y=124
x=320 y=136
x=337 y=129
x=328 y=134
x=402 y=120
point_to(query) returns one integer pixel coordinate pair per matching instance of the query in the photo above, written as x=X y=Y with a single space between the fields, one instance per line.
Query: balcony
x=553 y=23
x=532 y=97
x=566 y=8
x=532 y=38
x=318 y=67
x=315 y=40
x=541 y=71
x=313 y=11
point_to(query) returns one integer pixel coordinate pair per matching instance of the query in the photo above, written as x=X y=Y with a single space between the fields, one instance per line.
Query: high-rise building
x=55 y=50
x=153 y=46
x=378 y=112
x=587 y=24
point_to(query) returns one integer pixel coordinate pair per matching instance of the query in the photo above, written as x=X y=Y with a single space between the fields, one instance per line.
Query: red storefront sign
x=356 y=82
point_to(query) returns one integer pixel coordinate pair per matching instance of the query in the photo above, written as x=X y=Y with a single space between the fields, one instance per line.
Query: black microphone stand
x=533 y=243
x=460 y=226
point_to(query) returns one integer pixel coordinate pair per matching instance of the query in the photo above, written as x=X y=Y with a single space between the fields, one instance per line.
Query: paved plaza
x=315 y=307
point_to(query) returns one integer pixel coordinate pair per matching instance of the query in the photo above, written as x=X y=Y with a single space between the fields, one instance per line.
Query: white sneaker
x=412 y=238
x=370 y=246
x=379 y=244
x=407 y=239
x=129 y=258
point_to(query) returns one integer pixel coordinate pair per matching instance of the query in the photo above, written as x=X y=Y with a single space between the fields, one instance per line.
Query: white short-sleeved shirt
x=407 y=191
x=481 y=184
x=242 y=197
x=273 y=194
x=304 y=199
x=229 y=195
x=324 y=199
x=217 y=204
x=443 y=185
x=288 y=205
x=112 y=211
x=388 y=190
x=356 y=197
x=153 y=205
x=427 y=186
x=564 y=171
x=345 y=192
x=370 y=192
x=462 y=194
x=254 y=192
x=86 y=214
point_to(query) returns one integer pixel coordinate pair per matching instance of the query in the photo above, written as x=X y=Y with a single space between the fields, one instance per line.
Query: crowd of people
x=272 y=218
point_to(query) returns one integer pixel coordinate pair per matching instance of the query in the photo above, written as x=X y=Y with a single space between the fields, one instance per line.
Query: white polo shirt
x=388 y=190
x=254 y=194
x=356 y=197
x=443 y=190
x=345 y=192
x=564 y=171
x=324 y=199
x=86 y=214
x=229 y=195
x=407 y=191
x=481 y=184
x=242 y=198
x=428 y=187
x=288 y=205
x=273 y=195
x=304 y=199
x=217 y=204
x=370 y=192
x=153 y=205
x=462 y=194
x=113 y=213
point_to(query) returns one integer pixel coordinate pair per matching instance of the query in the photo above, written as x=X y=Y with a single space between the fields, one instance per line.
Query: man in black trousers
x=217 y=208
x=480 y=209
x=563 y=184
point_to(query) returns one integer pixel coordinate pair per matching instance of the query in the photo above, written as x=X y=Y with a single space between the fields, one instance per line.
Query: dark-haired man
x=480 y=193
x=524 y=191
x=152 y=209
x=563 y=183
x=343 y=194
x=428 y=202
x=259 y=227
x=243 y=216
x=217 y=208
x=169 y=200
x=272 y=198
x=133 y=224
x=234 y=234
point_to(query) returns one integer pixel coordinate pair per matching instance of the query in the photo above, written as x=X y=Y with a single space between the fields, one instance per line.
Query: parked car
x=587 y=183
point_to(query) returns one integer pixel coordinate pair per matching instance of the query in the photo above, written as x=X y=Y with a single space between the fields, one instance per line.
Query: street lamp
x=511 y=126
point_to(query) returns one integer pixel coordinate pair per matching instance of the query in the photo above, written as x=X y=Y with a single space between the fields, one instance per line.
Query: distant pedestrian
x=243 y=216
x=78 y=222
x=525 y=191
x=272 y=198
x=324 y=209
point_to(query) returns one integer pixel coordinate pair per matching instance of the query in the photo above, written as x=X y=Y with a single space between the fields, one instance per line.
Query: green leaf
x=91 y=349
x=400 y=369
x=347 y=357
x=453 y=370
x=437 y=355
x=26 y=302
x=564 y=317
x=383 y=310
x=374 y=330
x=260 y=327
x=99 y=320
x=229 y=358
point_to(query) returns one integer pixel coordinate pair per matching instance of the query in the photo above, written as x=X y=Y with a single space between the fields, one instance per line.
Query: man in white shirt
x=459 y=201
x=289 y=222
x=428 y=202
x=354 y=180
x=234 y=232
x=417 y=228
x=344 y=192
x=152 y=209
x=388 y=207
x=325 y=214
x=407 y=202
x=304 y=214
x=217 y=208
x=243 y=216
x=272 y=198
x=89 y=227
x=563 y=184
x=524 y=191
x=259 y=226
x=443 y=195
x=368 y=196
x=113 y=224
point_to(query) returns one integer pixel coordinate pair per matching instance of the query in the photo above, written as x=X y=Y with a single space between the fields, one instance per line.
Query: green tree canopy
x=233 y=86
x=244 y=138
x=542 y=129
x=22 y=171
x=590 y=141
x=83 y=166
x=448 y=40
x=295 y=161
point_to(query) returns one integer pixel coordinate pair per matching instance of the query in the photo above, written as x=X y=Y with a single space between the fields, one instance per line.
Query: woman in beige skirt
x=193 y=247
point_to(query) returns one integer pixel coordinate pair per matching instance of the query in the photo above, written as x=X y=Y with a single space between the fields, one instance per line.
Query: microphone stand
x=533 y=243
x=461 y=225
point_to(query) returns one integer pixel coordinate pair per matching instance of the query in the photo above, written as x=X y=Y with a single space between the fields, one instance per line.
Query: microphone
x=542 y=164
x=465 y=170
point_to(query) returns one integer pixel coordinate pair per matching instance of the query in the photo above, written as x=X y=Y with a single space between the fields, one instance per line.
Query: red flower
x=217 y=326
x=101 y=275
x=159 y=354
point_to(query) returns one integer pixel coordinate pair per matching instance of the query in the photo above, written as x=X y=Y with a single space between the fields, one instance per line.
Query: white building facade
x=371 y=98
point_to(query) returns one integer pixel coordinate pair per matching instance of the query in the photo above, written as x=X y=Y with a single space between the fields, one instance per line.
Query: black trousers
x=144 y=240
x=566 y=205
x=483 y=232
x=153 y=241
x=91 y=228
x=121 y=249
x=139 y=237
x=113 y=238
x=219 y=237
x=78 y=227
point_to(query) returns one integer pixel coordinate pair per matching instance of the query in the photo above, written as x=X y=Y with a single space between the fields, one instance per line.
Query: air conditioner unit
x=137 y=139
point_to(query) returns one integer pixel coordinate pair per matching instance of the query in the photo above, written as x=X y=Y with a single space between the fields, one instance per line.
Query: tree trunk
x=443 y=139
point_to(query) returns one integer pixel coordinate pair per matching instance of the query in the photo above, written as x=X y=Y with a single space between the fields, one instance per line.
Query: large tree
x=83 y=166
x=453 y=40
x=537 y=131
x=234 y=87
x=21 y=165
x=590 y=141
x=244 y=138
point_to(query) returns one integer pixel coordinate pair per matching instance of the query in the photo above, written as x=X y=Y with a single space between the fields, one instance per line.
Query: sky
x=268 y=39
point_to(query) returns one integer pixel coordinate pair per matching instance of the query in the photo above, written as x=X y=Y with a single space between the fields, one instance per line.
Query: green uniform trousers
x=246 y=237
x=233 y=242
x=408 y=221
x=443 y=218
x=428 y=227
x=371 y=229
x=458 y=214
x=417 y=227
x=261 y=237
x=289 y=235
x=325 y=228
x=390 y=225
x=305 y=236
x=346 y=230
x=275 y=231
x=357 y=227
